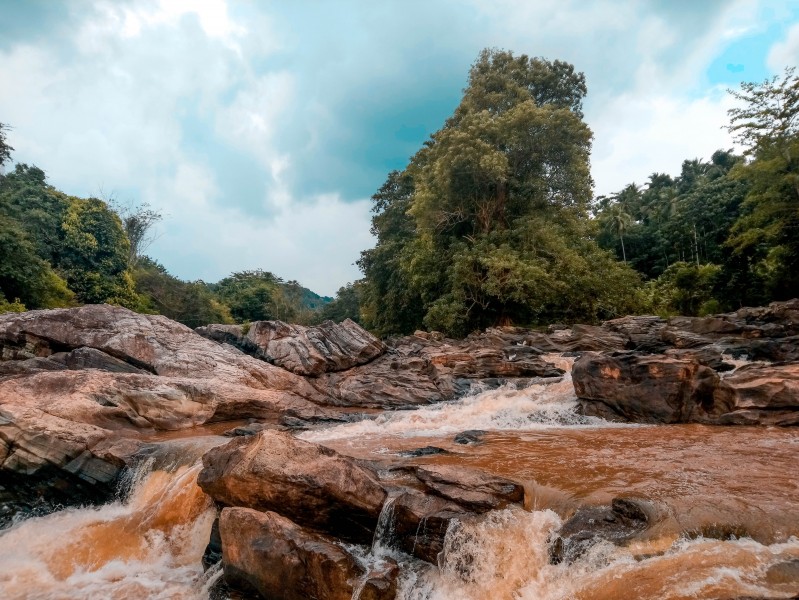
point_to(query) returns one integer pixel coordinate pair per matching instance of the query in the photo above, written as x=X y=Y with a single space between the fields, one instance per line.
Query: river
x=726 y=499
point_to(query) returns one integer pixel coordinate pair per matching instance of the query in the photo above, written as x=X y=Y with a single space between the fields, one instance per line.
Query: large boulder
x=283 y=561
x=312 y=351
x=310 y=484
x=760 y=395
x=646 y=388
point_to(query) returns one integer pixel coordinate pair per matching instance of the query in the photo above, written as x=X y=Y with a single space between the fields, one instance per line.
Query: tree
x=138 y=222
x=768 y=232
x=617 y=222
x=5 y=148
x=489 y=222
x=93 y=255
x=249 y=294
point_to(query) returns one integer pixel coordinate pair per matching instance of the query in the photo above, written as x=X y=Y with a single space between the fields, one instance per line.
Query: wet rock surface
x=311 y=484
x=280 y=559
x=618 y=523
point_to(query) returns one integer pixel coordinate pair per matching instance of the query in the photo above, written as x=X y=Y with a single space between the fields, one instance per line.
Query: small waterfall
x=384 y=532
x=149 y=544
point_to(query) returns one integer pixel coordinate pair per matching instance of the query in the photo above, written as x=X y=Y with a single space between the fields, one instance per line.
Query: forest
x=492 y=222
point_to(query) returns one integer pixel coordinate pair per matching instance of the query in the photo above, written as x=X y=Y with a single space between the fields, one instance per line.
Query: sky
x=260 y=129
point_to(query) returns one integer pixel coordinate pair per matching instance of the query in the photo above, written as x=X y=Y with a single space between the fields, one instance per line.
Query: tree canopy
x=489 y=222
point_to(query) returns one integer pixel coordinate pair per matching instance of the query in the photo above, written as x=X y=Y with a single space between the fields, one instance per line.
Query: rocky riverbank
x=86 y=393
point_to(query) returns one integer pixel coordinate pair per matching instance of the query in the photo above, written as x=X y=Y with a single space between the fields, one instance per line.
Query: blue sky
x=260 y=129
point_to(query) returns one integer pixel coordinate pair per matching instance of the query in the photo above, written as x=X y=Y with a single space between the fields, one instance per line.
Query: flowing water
x=726 y=502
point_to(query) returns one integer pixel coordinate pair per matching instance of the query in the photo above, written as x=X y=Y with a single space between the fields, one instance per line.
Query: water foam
x=542 y=405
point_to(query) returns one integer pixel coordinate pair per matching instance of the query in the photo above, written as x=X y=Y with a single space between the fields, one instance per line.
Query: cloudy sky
x=260 y=129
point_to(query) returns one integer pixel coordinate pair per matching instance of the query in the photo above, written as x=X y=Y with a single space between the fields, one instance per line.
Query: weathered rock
x=647 y=388
x=418 y=371
x=423 y=451
x=760 y=394
x=642 y=332
x=281 y=560
x=315 y=350
x=707 y=356
x=313 y=485
x=474 y=490
x=150 y=342
x=618 y=523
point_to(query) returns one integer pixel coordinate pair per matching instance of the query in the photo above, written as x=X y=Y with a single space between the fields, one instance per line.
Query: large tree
x=767 y=234
x=489 y=222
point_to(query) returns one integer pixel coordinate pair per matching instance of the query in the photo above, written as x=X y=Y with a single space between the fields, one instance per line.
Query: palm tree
x=617 y=221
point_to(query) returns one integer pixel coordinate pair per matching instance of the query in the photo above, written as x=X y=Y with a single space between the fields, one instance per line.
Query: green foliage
x=489 y=224
x=94 y=253
x=685 y=289
x=249 y=294
x=190 y=303
x=138 y=222
x=767 y=233
x=346 y=305
x=11 y=307
x=5 y=148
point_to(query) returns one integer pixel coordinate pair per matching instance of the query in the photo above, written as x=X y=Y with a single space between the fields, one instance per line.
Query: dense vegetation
x=492 y=222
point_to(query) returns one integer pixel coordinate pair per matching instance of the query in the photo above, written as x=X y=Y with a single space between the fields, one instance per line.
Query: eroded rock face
x=760 y=394
x=471 y=489
x=150 y=342
x=310 y=484
x=281 y=560
x=420 y=370
x=647 y=388
x=312 y=351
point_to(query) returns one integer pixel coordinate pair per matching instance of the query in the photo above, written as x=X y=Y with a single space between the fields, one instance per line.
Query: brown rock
x=315 y=350
x=281 y=560
x=760 y=394
x=150 y=342
x=421 y=522
x=472 y=489
x=311 y=484
x=647 y=388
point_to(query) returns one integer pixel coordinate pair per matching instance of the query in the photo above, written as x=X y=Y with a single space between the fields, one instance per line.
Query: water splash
x=148 y=545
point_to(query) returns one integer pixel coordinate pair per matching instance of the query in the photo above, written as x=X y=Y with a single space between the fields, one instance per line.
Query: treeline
x=493 y=220
x=58 y=250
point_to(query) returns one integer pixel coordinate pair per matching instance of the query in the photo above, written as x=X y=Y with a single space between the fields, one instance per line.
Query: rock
x=281 y=560
x=471 y=489
x=647 y=388
x=618 y=523
x=150 y=342
x=760 y=394
x=708 y=356
x=421 y=522
x=642 y=332
x=244 y=430
x=314 y=486
x=312 y=351
x=471 y=436
x=418 y=371
x=424 y=451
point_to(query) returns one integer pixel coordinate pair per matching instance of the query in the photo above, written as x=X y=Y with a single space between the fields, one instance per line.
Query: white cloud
x=785 y=53
x=637 y=135
x=315 y=242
